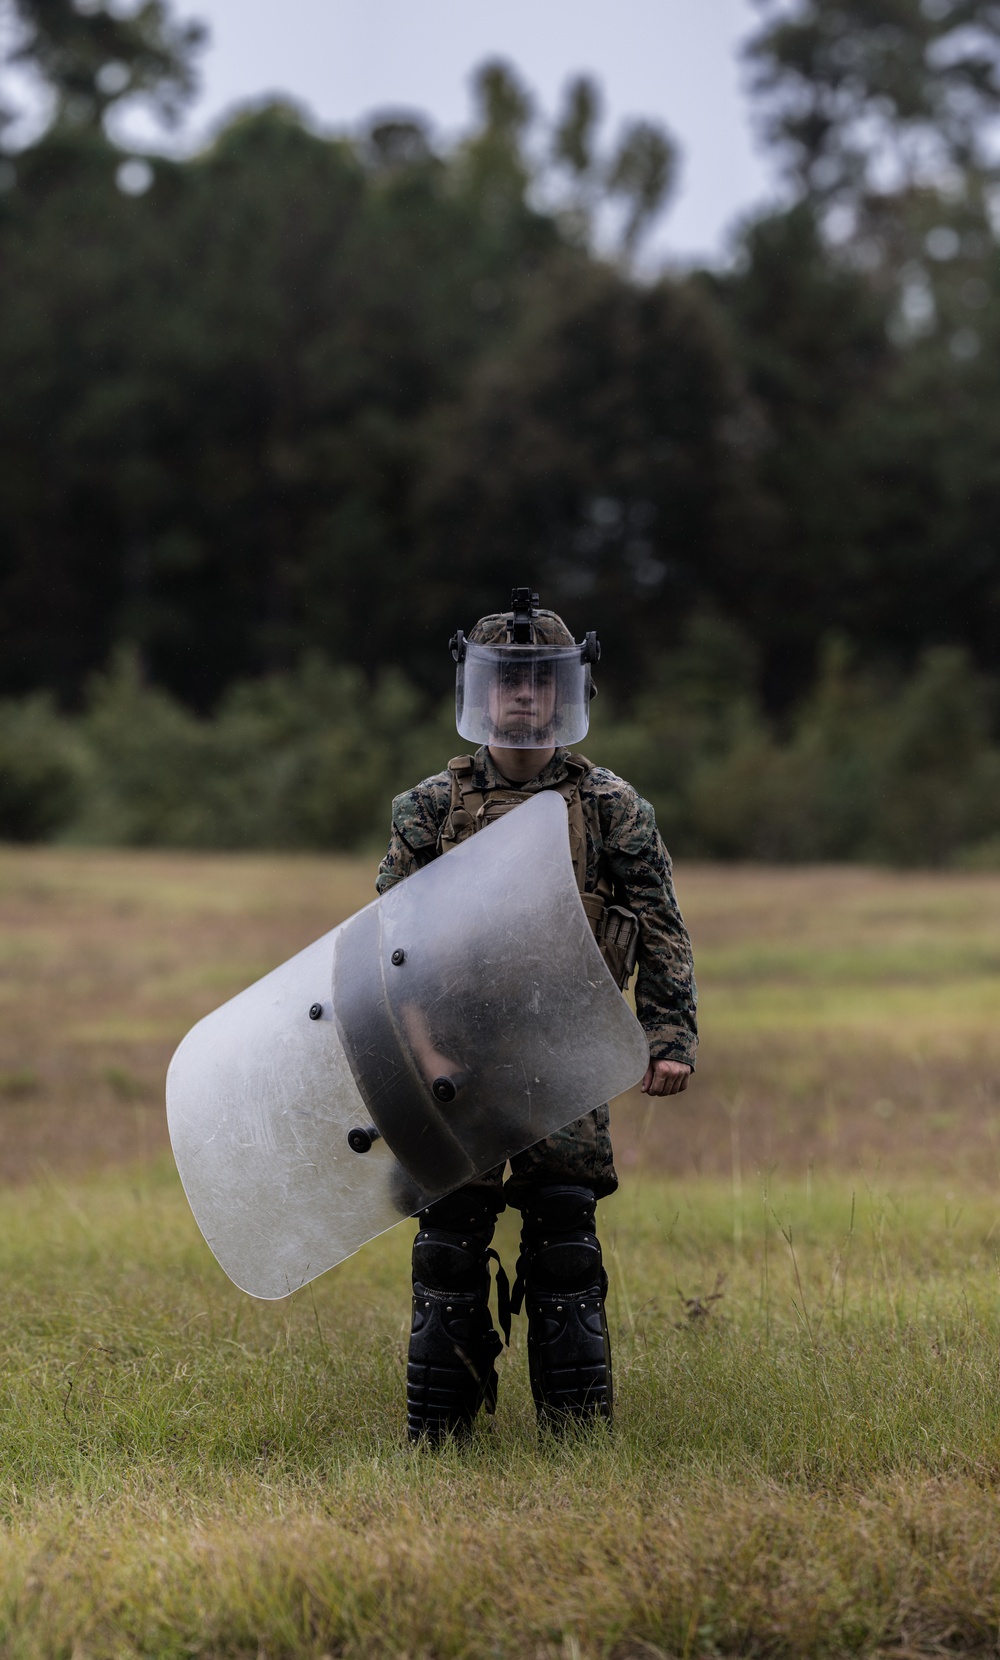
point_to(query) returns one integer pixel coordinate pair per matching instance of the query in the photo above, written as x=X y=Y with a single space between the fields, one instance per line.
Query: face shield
x=522 y=697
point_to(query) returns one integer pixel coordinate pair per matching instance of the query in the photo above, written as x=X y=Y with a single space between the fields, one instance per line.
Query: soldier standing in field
x=523 y=694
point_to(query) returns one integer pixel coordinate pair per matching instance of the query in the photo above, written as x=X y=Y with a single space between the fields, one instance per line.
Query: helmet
x=523 y=682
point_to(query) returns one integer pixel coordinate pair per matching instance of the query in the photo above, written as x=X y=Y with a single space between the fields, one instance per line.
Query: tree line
x=300 y=404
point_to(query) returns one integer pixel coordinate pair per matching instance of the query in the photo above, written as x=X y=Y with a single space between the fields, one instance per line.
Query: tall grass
x=807 y=1442
x=804 y=1279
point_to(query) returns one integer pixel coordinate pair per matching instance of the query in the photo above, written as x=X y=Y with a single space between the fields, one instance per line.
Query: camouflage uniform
x=623 y=844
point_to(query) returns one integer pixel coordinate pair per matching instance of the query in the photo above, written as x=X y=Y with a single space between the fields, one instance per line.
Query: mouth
x=522 y=732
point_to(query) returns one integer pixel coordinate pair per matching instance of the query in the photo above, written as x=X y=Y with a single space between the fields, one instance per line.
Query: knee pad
x=560 y=1250
x=447 y=1262
x=451 y=1250
x=562 y=1207
x=470 y=1210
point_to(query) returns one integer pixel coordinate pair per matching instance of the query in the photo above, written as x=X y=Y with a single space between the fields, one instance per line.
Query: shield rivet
x=398 y=957
x=316 y=1011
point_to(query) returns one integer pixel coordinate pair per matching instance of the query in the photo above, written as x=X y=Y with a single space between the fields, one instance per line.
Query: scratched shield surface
x=460 y=1018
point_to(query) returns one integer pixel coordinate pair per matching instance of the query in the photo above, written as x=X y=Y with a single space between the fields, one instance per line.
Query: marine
x=523 y=688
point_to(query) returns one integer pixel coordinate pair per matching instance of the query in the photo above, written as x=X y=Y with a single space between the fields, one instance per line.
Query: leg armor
x=451 y=1369
x=563 y=1285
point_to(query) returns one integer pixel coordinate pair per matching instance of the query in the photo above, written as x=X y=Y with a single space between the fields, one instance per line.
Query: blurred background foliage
x=277 y=418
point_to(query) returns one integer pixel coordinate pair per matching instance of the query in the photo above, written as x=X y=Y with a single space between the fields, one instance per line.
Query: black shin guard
x=563 y=1284
x=451 y=1369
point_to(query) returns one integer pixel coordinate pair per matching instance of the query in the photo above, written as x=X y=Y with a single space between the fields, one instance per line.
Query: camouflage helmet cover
x=547 y=629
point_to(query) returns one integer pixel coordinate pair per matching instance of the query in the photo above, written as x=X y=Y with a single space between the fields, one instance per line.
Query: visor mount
x=524 y=606
x=590 y=651
x=456 y=645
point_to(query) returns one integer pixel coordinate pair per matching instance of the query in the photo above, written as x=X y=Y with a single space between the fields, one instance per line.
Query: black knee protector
x=563 y=1284
x=451 y=1370
x=450 y=1250
x=469 y=1210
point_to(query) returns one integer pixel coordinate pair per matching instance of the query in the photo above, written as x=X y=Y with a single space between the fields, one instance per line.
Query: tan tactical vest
x=615 y=929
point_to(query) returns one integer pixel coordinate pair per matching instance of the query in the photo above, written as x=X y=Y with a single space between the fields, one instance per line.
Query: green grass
x=804 y=1279
x=808 y=1466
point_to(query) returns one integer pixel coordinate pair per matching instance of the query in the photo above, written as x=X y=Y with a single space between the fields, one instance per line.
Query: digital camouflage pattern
x=581 y=1152
x=547 y=629
x=623 y=844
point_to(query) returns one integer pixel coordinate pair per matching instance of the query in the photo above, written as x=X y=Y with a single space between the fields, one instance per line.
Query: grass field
x=804 y=1268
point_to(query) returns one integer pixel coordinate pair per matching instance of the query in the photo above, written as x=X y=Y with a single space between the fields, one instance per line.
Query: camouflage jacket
x=624 y=844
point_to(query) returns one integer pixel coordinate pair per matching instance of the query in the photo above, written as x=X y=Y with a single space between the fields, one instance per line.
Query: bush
x=304 y=760
x=903 y=773
x=41 y=771
x=939 y=774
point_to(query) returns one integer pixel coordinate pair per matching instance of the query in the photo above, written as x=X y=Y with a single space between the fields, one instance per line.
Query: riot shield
x=452 y=1023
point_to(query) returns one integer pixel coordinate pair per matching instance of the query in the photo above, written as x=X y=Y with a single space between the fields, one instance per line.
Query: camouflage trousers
x=580 y=1153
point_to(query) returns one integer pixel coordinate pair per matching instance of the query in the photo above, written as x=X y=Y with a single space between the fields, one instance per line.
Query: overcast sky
x=673 y=60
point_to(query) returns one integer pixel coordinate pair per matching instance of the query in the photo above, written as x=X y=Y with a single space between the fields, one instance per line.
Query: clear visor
x=523 y=697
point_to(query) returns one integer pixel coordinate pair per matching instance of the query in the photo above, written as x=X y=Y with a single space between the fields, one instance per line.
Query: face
x=522 y=702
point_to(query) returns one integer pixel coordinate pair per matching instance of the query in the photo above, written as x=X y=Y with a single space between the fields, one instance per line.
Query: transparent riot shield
x=459 y=1019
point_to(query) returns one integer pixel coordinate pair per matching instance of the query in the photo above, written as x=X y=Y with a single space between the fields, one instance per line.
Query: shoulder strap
x=466 y=802
x=577 y=767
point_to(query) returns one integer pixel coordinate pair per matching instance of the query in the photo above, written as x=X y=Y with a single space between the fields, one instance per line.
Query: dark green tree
x=91 y=57
x=635 y=177
x=597 y=455
x=861 y=314
x=219 y=394
x=866 y=96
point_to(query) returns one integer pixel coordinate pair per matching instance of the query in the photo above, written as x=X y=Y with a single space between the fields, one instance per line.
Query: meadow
x=804 y=1286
